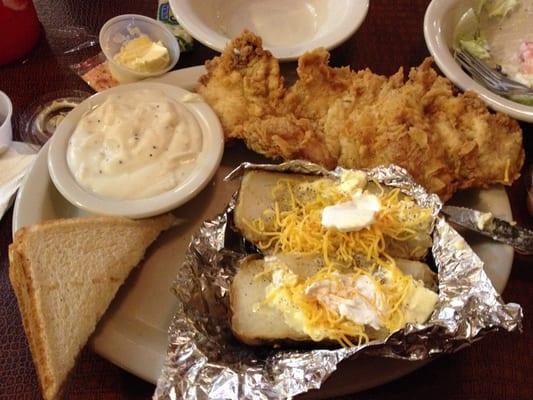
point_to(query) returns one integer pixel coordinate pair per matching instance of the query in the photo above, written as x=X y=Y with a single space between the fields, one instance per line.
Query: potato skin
x=246 y=289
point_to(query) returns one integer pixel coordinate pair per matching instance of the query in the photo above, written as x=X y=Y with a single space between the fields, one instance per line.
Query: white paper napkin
x=13 y=166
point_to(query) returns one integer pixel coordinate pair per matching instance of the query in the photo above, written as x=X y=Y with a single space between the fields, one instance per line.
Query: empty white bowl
x=288 y=28
x=207 y=161
x=440 y=21
x=123 y=28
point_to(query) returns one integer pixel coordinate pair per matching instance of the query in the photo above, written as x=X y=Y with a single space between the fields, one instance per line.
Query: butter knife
x=486 y=224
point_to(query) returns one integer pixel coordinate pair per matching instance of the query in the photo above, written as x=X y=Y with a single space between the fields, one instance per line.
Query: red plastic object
x=19 y=29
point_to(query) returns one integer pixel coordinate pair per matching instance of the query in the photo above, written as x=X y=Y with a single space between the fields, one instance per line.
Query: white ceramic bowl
x=440 y=22
x=208 y=159
x=120 y=29
x=6 y=132
x=288 y=28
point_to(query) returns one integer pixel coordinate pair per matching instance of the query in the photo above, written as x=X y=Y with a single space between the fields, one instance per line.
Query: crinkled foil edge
x=204 y=361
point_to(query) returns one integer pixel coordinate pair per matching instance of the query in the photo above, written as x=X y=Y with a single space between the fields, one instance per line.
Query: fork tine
x=489 y=77
x=484 y=69
x=493 y=74
x=466 y=63
x=492 y=86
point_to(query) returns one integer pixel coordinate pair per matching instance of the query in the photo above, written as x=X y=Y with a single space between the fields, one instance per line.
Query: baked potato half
x=255 y=324
x=256 y=195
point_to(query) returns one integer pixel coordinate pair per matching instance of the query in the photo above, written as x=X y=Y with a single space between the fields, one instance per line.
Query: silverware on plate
x=486 y=224
x=491 y=78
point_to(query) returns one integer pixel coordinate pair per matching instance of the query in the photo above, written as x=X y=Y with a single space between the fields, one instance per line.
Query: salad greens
x=470 y=38
x=495 y=8
x=522 y=99
x=474 y=42
x=476 y=46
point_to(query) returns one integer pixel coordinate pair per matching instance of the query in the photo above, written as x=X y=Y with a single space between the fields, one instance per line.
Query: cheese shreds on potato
x=324 y=284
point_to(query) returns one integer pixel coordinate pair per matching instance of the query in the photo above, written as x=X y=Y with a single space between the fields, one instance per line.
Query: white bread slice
x=65 y=274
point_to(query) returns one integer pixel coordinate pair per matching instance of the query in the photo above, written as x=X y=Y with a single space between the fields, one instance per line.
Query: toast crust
x=23 y=282
x=32 y=322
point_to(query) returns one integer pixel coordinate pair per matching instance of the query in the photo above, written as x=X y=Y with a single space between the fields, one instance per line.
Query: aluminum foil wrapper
x=204 y=360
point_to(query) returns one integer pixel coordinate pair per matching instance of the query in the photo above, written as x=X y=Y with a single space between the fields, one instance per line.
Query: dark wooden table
x=498 y=367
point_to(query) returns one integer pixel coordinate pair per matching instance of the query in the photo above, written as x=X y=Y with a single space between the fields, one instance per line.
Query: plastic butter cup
x=119 y=30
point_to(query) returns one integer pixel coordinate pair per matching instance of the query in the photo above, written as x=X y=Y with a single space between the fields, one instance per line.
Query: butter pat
x=143 y=55
x=483 y=220
x=420 y=304
x=352 y=181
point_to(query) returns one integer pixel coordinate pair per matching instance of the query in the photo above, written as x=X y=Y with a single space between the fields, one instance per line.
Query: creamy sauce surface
x=506 y=38
x=135 y=145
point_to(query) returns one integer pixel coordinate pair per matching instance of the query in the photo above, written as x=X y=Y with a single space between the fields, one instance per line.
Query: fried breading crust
x=245 y=88
x=244 y=83
x=334 y=116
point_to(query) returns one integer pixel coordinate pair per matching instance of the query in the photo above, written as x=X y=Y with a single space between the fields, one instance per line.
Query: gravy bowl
x=206 y=164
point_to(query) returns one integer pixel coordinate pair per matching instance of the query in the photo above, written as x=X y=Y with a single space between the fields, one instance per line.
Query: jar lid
x=40 y=120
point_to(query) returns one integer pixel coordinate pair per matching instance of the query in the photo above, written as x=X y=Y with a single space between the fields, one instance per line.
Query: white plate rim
x=115 y=347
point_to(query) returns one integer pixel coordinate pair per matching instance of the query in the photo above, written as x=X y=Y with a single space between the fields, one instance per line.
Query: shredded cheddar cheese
x=319 y=321
x=293 y=225
x=297 y=228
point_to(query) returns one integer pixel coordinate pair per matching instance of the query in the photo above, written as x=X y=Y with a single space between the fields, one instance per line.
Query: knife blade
x=488 y=225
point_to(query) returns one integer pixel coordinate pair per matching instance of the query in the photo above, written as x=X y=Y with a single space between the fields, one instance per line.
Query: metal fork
x=489 y=77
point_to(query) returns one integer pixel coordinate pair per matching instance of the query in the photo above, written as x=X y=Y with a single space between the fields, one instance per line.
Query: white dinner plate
x=133 y=332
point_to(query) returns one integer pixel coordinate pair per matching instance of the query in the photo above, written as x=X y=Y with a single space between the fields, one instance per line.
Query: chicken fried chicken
x=246 y=90
x=335 y=116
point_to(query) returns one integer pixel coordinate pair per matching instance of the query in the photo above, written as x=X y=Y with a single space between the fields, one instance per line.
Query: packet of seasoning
x=95 y=72
x=165 y=15
x=74 y=43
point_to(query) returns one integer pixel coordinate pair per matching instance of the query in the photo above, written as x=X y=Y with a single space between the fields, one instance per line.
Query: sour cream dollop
x=356 y=299
x=134 y=146
x=352 y=215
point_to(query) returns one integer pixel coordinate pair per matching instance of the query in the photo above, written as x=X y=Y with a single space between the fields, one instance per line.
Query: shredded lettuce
x=478 y=47
x=522 y=99
x=478 y=6
x=495 y=8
